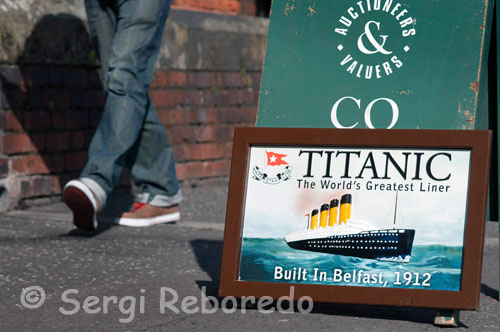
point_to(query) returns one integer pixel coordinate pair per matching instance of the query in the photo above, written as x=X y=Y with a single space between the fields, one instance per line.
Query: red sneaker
x=143 y=215
x=84 y=204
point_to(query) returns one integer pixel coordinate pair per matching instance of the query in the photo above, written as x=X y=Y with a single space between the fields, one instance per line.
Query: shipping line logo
x=273 y=160
x=375 y=35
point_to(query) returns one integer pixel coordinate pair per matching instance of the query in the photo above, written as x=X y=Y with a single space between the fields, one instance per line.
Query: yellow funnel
x=334 y=210
x=345 y=208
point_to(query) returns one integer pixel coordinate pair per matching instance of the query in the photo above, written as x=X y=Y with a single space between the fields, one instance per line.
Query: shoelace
x=137 y=205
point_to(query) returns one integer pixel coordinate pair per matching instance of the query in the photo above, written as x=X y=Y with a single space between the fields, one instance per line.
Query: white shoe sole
x=146 y=222
x=75 y=194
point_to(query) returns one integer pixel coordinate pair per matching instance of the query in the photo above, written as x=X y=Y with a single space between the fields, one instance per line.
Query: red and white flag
x=275 y=159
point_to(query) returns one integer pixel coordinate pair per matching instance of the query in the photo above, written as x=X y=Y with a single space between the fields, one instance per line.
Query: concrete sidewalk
x=40 y=247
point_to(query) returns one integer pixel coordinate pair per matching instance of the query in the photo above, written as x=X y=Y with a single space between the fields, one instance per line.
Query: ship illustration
x=356 y=238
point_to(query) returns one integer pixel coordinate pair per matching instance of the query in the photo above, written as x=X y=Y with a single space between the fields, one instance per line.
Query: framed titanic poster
x=390 y=217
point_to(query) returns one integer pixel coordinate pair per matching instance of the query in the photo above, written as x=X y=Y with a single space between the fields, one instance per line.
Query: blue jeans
x=128 y=36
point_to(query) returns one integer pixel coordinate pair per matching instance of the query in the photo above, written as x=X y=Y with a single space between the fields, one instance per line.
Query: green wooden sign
x=496 y=170
x=376 y=64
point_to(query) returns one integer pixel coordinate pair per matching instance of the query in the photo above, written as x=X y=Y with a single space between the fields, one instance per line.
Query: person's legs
x=85 y=197
x=152 y=164
x=101 y=15
x=152 y=168
x=134 y=52
x=151 y=160
x=129 y=124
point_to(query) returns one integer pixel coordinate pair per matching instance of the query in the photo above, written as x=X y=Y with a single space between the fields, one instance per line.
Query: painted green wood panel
x=496 y=172
x=430 y=57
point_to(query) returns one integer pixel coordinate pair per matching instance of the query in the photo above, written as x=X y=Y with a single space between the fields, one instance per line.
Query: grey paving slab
x=199 y=205
x=40 y=247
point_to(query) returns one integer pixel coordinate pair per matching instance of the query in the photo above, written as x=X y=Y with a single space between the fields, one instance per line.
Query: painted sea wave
x=431 y=267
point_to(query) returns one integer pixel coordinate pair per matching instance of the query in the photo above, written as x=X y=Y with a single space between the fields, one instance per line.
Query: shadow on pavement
x=416 y=315
x=208 y=256
x=488 y=291
x=84 y=234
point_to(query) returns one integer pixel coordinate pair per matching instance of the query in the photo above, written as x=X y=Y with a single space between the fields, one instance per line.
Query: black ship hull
x=387 y=244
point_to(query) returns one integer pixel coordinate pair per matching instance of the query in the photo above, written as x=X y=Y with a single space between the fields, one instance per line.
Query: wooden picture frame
x=449 y=169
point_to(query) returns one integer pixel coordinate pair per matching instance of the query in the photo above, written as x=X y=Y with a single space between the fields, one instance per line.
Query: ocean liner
x=354 y=238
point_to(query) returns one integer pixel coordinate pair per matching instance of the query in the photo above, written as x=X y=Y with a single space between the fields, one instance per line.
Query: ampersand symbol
x=379 y=47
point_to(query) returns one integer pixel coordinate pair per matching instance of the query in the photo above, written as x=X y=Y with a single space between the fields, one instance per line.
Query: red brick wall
x=48 y=115
x=233 y=7
x=200 y=110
